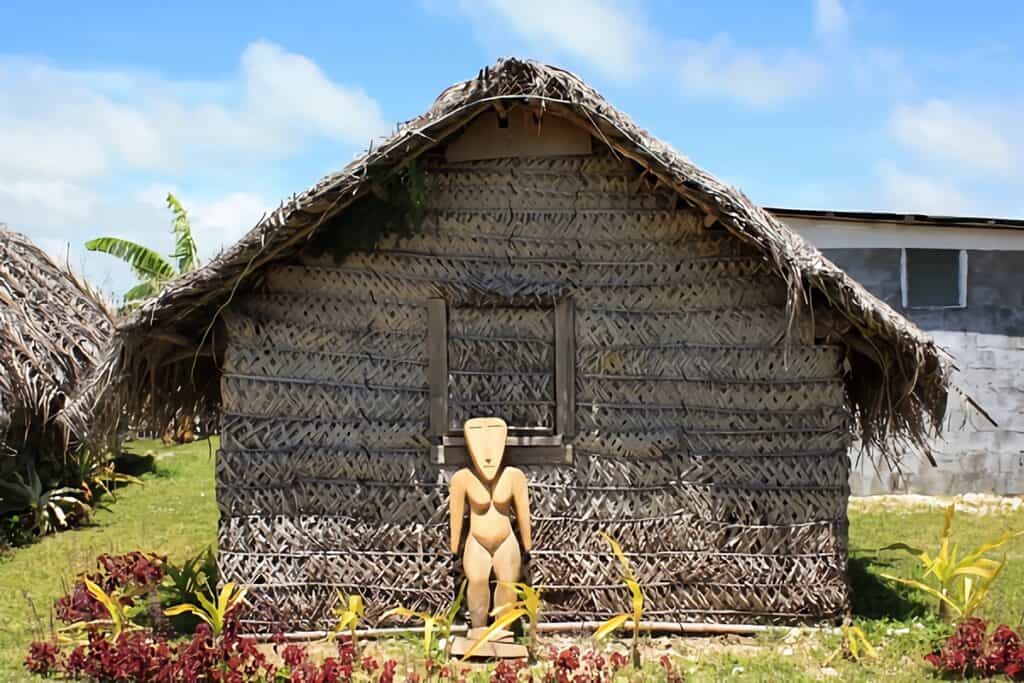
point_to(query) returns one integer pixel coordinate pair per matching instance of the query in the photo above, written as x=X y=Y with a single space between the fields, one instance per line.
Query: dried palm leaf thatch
x=718 y=364
x=898 y=377
x=54 y=330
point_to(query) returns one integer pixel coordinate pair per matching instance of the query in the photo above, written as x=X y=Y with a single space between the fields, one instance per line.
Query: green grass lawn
x=175 y=513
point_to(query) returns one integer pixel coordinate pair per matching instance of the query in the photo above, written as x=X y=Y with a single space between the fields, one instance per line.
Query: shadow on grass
x=875 y=597
x=134 y=464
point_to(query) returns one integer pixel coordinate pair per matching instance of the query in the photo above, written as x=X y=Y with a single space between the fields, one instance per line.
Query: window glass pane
x=933 y=277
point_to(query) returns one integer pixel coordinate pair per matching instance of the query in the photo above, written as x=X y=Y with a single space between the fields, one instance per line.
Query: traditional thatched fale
x=54 y=330
x=685 y=372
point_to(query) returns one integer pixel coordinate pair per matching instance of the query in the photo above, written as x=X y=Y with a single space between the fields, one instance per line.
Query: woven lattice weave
x=716 y=454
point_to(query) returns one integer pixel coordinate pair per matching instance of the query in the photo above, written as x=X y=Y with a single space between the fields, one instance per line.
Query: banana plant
x=960 y=583
x=149 y=266
x=439 y=622
x=349 y=613
x=636 y=614
x=214 y=609
x=527 y=605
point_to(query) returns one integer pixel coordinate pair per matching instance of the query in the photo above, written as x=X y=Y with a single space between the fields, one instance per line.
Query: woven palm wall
x=716 y=454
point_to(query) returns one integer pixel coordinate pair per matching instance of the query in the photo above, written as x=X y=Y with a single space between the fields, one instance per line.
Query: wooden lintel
x=514 y=455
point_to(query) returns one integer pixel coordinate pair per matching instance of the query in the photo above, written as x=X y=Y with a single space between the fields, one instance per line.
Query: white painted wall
x=827 y=233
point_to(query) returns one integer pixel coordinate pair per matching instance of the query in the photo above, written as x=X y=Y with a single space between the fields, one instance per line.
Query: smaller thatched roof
x=54 y=331
x=899 y=377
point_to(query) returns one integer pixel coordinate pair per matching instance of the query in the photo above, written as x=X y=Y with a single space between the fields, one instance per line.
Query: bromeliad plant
x=214 y=610
x=49 y=509
x=527 y=605
x=961 y=583
x=637 y=612
x=440 y=623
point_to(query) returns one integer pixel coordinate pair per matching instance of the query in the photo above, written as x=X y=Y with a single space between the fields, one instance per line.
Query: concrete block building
x=961 y=280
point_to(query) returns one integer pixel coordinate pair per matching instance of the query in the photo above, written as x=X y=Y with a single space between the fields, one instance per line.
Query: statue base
x=498 y=647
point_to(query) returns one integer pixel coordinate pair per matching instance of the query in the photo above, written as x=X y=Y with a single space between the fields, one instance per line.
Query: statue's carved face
x=485 y=439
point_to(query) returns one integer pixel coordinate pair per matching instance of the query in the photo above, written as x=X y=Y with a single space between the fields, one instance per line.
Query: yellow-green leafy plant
x=855 y=645
x=439 y=623
x=960 y=582
x=527 y=604
x=95 y=471
x=182 y=583
x=118 y=621
x=349 y=611
x=214 y=609
x=637 y=612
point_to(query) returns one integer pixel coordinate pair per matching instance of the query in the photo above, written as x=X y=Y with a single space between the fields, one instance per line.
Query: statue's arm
x=521 y=500
x=457 y=509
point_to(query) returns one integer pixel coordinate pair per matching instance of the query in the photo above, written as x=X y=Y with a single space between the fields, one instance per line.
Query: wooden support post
x=565 y=369
x=437 y=371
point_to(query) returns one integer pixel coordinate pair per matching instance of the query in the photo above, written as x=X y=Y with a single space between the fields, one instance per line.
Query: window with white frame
x=934 y=278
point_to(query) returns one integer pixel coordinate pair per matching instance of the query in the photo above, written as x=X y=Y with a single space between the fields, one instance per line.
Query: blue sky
x=841 y=104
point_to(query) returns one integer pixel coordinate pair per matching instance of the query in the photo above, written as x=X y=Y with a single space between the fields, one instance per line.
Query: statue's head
x=485 y=439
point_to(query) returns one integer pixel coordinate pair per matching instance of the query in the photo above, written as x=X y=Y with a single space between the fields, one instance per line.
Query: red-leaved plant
x=42 y=658
x=129 y=575
x=969 y=652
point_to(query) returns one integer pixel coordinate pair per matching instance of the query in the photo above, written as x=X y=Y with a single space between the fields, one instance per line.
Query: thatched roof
x=54 y=331
x=899 y=378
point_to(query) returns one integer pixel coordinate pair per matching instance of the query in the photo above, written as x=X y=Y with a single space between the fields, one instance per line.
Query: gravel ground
x=968 y=503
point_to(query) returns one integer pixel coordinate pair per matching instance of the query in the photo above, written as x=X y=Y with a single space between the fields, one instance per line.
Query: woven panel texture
x=709 y=443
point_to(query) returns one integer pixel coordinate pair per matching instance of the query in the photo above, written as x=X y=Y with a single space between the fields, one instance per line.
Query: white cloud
x=290 y=91
x=830 y=17
x=50 y=204
x=610 y=36
x=903 y=191
x=81 y=123
x=223 y=221
x=90 y=152
x=217 y=222
x=941 y=129
x=720 y=68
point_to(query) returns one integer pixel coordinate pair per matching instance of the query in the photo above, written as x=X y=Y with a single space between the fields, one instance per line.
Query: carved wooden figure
x=493 y=493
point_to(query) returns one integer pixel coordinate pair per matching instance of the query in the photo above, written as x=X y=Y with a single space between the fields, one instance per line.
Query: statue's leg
x=507 y=565
x=476 y=562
